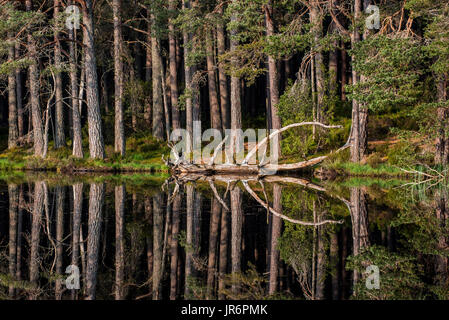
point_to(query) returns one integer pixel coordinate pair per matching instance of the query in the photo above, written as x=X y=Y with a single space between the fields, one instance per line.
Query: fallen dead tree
x=180 y=165
x=232 y=180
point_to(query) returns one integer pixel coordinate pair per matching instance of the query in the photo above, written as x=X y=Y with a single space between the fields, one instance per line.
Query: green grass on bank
x=143 y=153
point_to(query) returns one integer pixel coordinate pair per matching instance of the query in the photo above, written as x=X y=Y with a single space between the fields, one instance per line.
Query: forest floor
x=143 y=154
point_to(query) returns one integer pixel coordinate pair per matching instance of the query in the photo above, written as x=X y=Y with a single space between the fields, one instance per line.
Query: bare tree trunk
x=96 y=143
x=158 y=108
x=356 y=128
x=188 y=73
x=236 y=107
x=59 y=111
x=33 y=71
x=316 y=20
x=213 y=100
x=222 y=78
x=77 y=151
x=273 y=76
x=119 y=130
x=148 y=70
x=13 y=131
x=176 y=121
x=96 y=199
x=19 y=91
x=119 y=242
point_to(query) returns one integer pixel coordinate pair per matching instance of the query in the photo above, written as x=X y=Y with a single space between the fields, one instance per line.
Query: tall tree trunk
x=119 y=130
x=213 y=100
x=13 y=132
x=188 y=91
x=96 y=200
x=176 y=121
x=148 y=70
x=59 y=111
x=273 y=76
x=19 y=90
x=222 y=78
x=158 y=108
x=33 y=72
x=77 y=149
x=96 y=143
x=316 y=19
x=236 y=104
x=356 y=128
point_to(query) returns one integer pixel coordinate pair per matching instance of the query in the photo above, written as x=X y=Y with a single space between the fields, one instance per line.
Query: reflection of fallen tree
x=232 y=180
x=180 y=165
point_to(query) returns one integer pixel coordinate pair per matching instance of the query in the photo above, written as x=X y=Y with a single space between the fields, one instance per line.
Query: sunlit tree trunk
x=158 y=107
x=236 y=106
x=176 y=121
x=215 y=118
x=13 y=132
x=34 y=88
x=59 y=110
x=77 y=149
x=222 y=78
x=96 y=144
x=19 y=95
x=119 y=130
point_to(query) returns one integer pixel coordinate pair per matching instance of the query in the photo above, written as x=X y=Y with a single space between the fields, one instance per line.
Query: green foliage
x=399 y=275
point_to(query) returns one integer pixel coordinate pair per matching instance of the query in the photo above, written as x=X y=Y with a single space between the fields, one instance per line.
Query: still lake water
x=136 y=237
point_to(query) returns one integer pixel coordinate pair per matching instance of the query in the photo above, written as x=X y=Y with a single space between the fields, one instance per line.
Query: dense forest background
x=135 y=70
